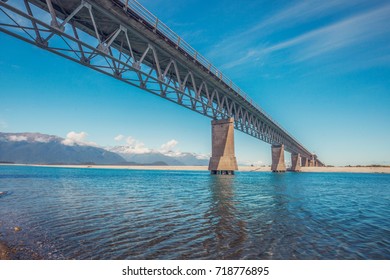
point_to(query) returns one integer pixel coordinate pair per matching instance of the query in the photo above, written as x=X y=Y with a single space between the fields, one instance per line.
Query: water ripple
x=123 y=214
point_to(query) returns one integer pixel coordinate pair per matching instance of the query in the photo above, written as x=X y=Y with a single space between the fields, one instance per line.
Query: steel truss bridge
x=122 y=39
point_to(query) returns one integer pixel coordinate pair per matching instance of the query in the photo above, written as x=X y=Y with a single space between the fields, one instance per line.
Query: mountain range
x=38 y=148
x=169 y=158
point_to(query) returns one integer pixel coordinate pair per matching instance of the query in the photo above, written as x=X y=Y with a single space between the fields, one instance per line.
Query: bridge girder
x=89 y=34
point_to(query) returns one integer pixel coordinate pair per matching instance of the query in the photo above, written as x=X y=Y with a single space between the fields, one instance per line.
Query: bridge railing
x=179 y=42
x=154 y=22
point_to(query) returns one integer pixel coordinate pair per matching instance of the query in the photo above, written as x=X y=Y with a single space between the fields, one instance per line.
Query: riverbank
x=343 y=169
x=348 y=169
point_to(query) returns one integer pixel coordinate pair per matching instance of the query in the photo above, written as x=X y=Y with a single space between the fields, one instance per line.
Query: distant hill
x=37 y=148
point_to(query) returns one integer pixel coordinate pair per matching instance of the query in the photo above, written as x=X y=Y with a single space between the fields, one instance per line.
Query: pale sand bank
x=348 y=169
x=240 y=168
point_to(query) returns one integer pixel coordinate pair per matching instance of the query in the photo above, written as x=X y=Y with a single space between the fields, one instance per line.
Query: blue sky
x=319 y=68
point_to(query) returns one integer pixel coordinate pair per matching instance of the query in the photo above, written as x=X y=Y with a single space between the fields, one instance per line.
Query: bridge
x=122 y=39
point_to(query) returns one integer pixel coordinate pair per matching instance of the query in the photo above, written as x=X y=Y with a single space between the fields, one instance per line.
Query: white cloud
x=17 y=138
x=202 y=156
x=132 y=141
x=135 y=146
x=31 y=137
x=74 y=138
x=42 y=139
x=119 y=137
x=132 y=146
x=168 y=147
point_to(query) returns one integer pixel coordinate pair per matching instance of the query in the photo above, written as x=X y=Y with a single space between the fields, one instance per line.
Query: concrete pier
x=223 y=160
x=305 y=162
x=295 y=162
x=278 y=164
x=313 y=162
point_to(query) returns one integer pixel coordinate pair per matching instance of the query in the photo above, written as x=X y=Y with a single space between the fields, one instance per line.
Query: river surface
x=69 y=213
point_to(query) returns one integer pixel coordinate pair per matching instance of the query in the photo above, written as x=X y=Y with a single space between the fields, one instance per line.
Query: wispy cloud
x=300 y=12
x=252 y=55
x=296 y=12
x=350 y=32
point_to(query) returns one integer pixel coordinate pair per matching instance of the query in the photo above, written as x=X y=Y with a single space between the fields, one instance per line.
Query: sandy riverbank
x=240 y=168
x=346 y=169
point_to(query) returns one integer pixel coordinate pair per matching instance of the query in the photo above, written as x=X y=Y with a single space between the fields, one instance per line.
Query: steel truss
x=80 y=35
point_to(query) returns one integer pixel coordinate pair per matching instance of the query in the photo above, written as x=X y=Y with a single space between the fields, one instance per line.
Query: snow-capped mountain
x=149 y=157
x=37 y=148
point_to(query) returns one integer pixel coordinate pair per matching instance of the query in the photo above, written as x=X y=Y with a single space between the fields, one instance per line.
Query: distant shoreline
x=346 y=169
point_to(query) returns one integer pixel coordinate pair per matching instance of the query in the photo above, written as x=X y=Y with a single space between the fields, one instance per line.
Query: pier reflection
x=229 y=233
x=286 y=216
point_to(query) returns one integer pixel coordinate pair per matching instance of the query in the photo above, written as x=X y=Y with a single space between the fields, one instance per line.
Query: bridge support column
x=278 y=164
x=313 y=162
x=295 y=162
x=223 y=160
x=305 y=162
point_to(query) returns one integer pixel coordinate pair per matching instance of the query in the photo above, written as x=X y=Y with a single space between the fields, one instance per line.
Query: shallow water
x=67 y=213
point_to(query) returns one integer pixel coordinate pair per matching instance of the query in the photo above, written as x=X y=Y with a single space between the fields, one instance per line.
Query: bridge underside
x=118 y=40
